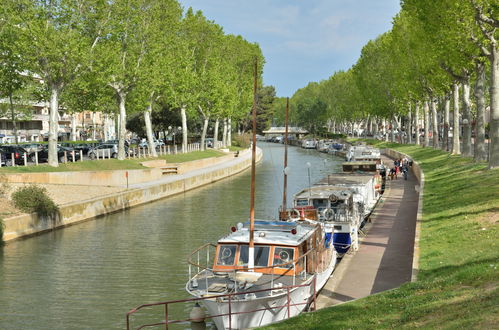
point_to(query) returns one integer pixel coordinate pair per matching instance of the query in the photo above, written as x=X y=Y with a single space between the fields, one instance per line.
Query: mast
x=251 y=248
x=284 y=191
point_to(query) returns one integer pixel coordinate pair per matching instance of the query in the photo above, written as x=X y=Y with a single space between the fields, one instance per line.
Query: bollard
x=13 y=159
x=81 y=155
x=25 y=159
x=65 y=157
x=97 y=154
x=109 y=153
x=36 y=158
x=73 y=155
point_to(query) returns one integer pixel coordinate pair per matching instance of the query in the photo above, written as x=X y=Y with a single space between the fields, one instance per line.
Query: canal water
x=89 y=275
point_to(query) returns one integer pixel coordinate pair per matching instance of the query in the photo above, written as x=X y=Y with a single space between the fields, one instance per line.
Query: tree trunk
x=224 y=134
x=480 y=149
x=147 y=120
x=426 y=112
x=106 y=127
x=392 y=131
x=122 y=121
x=229 y=132
x=206 y=119
x=13 y=118
x=494 y=108
x=409 y=125
x=416 y=123
x=466 y=118
x=215 y=134
x=73 y=127
x=456 y=148
x=94 y=128
x=53 y=125
x=445 y=144
x=435 y=123
x=183 y=115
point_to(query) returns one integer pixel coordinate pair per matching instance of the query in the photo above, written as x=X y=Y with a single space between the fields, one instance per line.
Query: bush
x=243 y=140
x=34 y=199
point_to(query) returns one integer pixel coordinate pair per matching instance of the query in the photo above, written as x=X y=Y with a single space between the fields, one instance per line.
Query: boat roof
x=323 y=192
x=272 y=233
x=346 y=179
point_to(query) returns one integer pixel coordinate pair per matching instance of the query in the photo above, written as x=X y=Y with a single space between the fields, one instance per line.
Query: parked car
x=208 y=142
x=104 y=150
x=17 y=151
x=63 y=154
x=145 y=144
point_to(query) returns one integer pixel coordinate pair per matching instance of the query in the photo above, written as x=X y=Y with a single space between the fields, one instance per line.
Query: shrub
x=34 y=199
x=242 y=140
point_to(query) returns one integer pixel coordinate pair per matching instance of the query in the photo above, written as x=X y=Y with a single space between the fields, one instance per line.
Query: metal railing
x=230 y=298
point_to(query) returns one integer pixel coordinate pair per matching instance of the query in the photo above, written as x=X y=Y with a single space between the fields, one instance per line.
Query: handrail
x=166 y=322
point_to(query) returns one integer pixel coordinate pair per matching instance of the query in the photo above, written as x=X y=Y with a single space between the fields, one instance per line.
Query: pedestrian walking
x=393 y=173
x=405 y=171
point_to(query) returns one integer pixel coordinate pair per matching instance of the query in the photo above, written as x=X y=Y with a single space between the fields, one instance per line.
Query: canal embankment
x=121 y=189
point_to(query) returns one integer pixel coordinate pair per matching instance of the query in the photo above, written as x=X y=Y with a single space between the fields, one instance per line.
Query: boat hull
x=257 y=312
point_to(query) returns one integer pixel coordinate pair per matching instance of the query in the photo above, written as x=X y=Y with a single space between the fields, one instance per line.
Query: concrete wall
x=29 y=224
x=88 y=178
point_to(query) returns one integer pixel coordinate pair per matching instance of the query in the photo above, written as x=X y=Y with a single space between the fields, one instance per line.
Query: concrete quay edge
x=27 y=225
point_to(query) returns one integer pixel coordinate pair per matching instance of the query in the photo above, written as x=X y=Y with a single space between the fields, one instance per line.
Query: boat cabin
x=329 y=202
x=279 y=247
x=360 y=166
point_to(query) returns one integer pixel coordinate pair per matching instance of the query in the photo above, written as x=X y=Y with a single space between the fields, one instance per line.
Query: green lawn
x=458 y=280
x=111 y=164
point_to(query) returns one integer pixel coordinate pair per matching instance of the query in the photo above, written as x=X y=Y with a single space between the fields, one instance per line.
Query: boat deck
x=222 y=283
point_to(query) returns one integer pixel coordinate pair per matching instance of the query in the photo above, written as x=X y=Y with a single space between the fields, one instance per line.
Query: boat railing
x=230 y=298
x=309 y=263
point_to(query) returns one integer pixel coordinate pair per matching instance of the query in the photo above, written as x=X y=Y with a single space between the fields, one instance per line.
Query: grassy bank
x=458 y=280
x=111 y=164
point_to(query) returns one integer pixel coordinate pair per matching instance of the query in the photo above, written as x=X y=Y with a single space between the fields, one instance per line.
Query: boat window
x=301 y=202
x=261 y=255
x=226 y=255
x=319 y=203
x=283 y=255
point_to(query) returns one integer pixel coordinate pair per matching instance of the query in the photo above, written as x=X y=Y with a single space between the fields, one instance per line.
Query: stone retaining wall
x=30 y=224
x=116 y=178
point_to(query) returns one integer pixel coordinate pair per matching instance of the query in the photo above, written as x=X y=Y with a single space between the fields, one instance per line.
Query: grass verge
x=111 y=164
x=458 y=279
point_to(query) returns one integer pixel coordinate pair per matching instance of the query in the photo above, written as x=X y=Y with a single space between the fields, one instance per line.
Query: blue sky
x=302 y=40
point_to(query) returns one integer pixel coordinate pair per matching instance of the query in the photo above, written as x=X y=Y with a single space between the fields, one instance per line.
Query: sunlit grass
x=458 y=280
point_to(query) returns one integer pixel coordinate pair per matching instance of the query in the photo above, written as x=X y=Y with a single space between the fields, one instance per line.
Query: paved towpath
x=384 y=259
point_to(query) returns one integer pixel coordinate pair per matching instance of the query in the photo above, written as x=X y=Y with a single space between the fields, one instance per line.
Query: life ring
x=333 y=198
x=328 y=214
x=296 y=214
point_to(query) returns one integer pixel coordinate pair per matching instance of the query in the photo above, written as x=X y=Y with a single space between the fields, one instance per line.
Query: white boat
x=323 y=145
x=363 y=153
x=292 y=262
x=334 y=208
x=308 y=144
x=364 y=186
